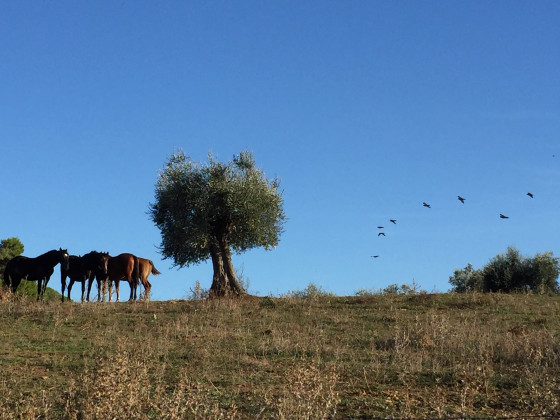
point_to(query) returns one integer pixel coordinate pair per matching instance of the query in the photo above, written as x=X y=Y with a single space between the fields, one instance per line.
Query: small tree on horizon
x=206 y=211
x=466 y=280
x=543 y=270
x=9 y=248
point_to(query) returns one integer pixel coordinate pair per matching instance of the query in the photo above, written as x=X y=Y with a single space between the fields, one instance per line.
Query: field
x=305 y=357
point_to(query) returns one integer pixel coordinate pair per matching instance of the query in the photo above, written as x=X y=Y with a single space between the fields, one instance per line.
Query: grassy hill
x=416 y=355
x=29 y=288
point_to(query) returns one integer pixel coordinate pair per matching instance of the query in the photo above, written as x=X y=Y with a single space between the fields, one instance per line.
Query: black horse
x=76 y=271
x=97 y=264
x=37 y=269
x=82 y=268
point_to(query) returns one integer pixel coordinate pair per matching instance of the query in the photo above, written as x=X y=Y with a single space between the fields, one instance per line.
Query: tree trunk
x=224 y=281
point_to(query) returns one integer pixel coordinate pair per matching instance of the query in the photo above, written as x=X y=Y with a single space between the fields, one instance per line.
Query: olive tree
x=506 y=272
x=207 y=210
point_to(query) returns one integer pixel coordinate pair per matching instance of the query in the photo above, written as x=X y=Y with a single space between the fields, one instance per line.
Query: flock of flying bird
x=424 y=204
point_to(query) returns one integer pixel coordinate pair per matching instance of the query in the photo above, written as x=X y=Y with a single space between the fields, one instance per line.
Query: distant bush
x=510 y=272
x=367 y=292
x=198 y=293
x=392 y=289
x=267 y=302
x=312 y=291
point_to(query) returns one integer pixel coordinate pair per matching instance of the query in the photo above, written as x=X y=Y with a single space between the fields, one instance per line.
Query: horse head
x=103 y=263
x=63 y=259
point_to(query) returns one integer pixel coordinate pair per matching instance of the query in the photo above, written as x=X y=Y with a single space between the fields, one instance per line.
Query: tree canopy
x=207 y=210
x=9 y=248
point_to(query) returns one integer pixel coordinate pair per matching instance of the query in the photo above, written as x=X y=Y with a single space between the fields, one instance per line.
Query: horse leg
x=117 y=288
x=70 y=287
x=7 y=281
x=144 y=282
x=63 y=281
x=83 y=289
x=147 y=290
x=45 y=286
x=132 y=290
x=90 y=282
x=100 y=290
x=39 y=288
x=15 y=284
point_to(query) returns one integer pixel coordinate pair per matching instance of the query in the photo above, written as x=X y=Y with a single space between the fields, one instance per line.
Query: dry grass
x=298 y=358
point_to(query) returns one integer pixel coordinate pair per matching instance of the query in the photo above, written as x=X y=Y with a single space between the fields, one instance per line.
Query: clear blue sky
x=364 y=109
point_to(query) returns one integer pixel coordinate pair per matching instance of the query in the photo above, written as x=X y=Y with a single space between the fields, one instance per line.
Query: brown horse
x=147 y=267
x=122 y=267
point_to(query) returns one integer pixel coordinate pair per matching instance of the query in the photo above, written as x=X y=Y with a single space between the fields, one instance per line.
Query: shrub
x=466 y=280
x=392 y=289
x=543 y=270
x=312 y=291
x=510 y=272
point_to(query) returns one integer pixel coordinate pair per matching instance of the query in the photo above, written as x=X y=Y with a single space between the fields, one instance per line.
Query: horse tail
x=63 y=275
x=64 y=272
x=136 y=271
x=154 y=269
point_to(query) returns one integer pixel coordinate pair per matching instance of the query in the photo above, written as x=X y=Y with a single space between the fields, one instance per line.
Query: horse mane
x=51 y=252
x=98 y=253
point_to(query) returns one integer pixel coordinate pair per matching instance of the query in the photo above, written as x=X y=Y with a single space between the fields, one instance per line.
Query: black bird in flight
x=503 y=217
x=379 y=227
x=461 y=199
x=393 y=221
x=426 y=205
x=530 y=195
x=381 y=233
x=375 y=256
